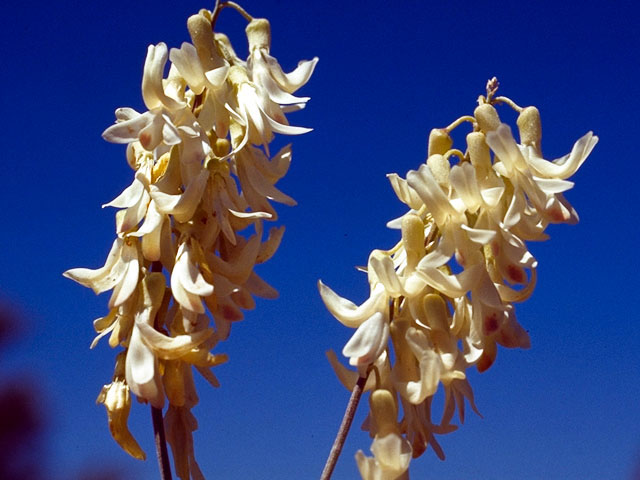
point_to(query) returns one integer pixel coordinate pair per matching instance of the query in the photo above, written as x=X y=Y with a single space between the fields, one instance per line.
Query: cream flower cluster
x=190 y=226
x=442 y=299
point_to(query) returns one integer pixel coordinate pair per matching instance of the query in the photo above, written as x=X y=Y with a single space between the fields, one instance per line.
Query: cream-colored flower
x=120 y=272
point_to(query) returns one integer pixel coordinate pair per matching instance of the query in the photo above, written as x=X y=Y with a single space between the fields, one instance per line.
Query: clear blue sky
x=388 y=73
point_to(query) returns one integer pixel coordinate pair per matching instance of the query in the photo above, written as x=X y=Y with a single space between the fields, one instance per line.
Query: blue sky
x=388 y=73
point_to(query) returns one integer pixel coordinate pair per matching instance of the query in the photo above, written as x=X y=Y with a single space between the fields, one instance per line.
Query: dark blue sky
x=388 y=73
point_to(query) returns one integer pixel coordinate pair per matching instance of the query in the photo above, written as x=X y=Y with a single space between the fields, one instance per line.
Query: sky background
x=388 y=73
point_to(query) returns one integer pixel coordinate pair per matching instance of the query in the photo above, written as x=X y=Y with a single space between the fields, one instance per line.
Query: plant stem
x=161 y=444
x=347 y=420
x=158 y=422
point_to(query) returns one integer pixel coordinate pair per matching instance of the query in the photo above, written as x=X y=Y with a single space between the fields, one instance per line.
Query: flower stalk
x=442 y=299
x=161 y=444
x=190 y=229
x=345 y=426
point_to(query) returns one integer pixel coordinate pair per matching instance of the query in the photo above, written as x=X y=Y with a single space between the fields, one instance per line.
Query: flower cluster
x=190 y=226
x=442 y=299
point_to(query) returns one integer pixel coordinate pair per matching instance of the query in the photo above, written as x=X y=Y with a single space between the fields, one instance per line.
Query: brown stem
x=161 y=444
x=158 y=423
x=347 y=420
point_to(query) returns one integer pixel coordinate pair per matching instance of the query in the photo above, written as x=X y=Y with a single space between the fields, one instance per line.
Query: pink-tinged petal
x=559 y=210
x=141 y=371
x=368 y=342
x=151 y=135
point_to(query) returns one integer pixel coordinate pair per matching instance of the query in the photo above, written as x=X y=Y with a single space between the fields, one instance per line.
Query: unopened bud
x=259 y=34
x=202 y=37
x=439 y=142
x=223 y=43
x=173 y=381
x=436 y=312
x=487 y=117
x=237 y=76
x=530 y=127
x=221 y=147
x=406 y=368
x=440 y=167
x=413 y=239
x=479 y=151
x=384 y=412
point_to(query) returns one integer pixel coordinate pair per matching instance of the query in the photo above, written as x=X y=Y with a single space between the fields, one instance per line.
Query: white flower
x=187 y=283
x=265 y=71
x=120 y=272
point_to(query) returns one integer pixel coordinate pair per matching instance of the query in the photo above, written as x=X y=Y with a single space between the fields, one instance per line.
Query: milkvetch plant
x=441 y=300
x=190 y=227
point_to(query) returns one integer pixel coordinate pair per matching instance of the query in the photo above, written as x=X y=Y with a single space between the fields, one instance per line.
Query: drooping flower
x=442 y=299
x=189 y=228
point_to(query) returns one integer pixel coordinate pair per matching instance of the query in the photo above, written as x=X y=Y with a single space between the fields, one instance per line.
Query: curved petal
x=346 y=311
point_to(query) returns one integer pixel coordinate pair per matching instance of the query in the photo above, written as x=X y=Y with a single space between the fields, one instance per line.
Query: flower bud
x=406 y=368
x=384 y=412
x=487 y=117
x=413 y=239
x=221 y=147
x=440 y=167
x=202 y=37
x=259 y=34
x=237 y=76
x=439 y=142
x=174 y=382
x=436 y=311
x=479 y=151
x=530 y=127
